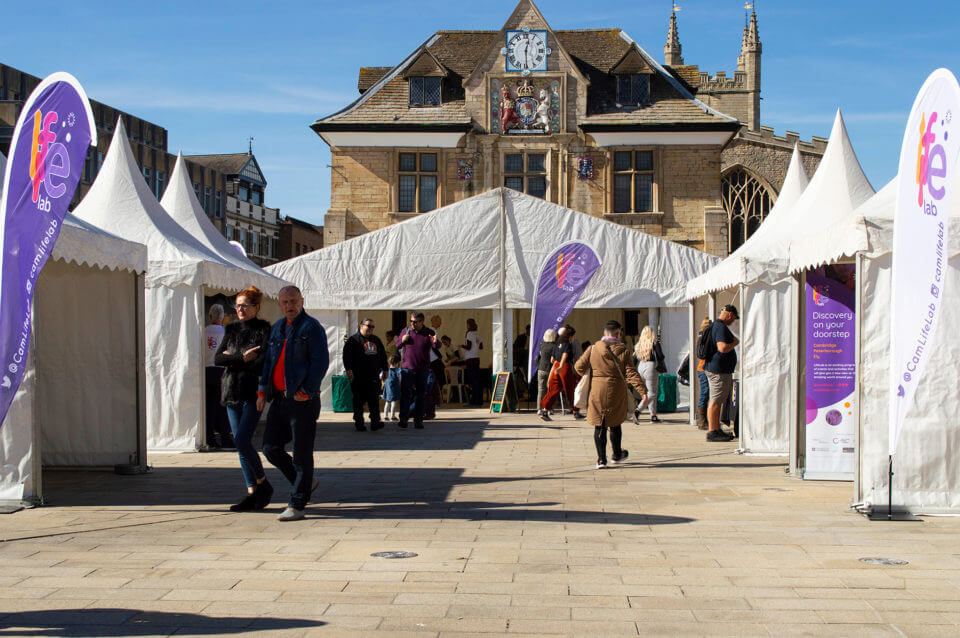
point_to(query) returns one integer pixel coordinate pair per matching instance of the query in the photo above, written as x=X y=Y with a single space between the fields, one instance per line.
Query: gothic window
x=425 y=91
x=747 y=202
x=633 y=89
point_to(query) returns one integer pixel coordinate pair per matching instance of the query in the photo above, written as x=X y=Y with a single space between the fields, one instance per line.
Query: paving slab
x=513 y=530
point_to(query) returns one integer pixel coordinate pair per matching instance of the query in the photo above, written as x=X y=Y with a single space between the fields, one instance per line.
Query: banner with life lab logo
x=563 y=278
x=47 y=152
x=830 y=380
x=927 y=172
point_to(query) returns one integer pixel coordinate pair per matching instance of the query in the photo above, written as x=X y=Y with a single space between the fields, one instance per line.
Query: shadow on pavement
x=354 y=493
x=134 y=622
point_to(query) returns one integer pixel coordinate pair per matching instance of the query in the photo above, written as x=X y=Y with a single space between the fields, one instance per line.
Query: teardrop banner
x=47 y=152
x=927 y=174
x=563 y=278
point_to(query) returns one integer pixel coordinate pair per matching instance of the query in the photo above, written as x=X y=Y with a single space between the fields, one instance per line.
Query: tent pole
x=502 y=281
x=890 y=489
x=691 y=358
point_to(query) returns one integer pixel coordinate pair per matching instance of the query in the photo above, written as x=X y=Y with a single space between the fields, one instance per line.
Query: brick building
x=248 y=219
x=584 y=118
x=298 y=237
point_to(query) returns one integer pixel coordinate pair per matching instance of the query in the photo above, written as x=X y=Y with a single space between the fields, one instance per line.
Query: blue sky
x=214 y=74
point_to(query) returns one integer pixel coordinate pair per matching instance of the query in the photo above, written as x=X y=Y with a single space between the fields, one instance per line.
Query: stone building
x=248 y=219
x=298 y=237
x=584 y=118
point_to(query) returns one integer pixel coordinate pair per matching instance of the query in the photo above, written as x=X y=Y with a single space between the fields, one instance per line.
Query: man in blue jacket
x=297 y=359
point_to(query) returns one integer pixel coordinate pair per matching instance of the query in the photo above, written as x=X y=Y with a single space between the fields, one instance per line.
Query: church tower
x=672 y=51
x=748 y=62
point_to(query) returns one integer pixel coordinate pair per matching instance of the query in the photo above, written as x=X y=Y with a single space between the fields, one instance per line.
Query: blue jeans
x=704 y=396
x=289 y=420
x=243 y=421
x=413 y=395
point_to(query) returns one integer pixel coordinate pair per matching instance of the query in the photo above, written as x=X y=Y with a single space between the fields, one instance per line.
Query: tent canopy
x=450 y=258
x=83 y=243
x=763 y=256
x=836 y=190
x=180 y=202
x=121 y=202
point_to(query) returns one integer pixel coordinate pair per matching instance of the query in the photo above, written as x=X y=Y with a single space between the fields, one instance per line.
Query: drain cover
x=883 y=561
x=393 y=554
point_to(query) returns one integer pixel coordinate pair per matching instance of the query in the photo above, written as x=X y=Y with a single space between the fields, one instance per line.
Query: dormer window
x=425 y=91
x=633 y=90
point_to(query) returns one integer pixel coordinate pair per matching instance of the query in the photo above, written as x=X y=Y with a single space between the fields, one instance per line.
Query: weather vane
x=676 y=7
x=250 y=147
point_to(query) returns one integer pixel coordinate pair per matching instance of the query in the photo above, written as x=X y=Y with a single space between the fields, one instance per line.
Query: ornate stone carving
x=532 y=111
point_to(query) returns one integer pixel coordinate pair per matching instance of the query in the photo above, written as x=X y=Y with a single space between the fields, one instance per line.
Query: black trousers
x=600 y=441
x=366 y=394
x=217 y=422
x=289 y=420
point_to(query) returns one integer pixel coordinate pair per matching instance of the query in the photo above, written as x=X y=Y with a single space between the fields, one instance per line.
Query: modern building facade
x=584 y=118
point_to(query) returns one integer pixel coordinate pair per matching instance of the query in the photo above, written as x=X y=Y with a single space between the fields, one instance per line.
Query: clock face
x=526 y=50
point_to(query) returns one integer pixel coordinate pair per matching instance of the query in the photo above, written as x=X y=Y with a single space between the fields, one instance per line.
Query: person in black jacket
x=365 y=361
x=241 y=354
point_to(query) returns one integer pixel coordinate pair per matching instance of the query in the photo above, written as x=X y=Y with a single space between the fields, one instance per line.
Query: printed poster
x=830 y=379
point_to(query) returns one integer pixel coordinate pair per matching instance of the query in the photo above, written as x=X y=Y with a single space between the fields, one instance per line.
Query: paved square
x=515 y=533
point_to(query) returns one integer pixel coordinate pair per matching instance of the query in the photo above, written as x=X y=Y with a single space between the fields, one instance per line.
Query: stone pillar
x=715 y=231
x=334 y=227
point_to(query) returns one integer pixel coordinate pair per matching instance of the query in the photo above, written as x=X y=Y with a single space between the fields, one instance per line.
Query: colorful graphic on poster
x=47 y=152
x=920 y=237
x=830 y=379
x=563 y=278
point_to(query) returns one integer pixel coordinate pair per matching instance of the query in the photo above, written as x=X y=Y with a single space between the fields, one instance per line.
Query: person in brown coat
x=610 y=363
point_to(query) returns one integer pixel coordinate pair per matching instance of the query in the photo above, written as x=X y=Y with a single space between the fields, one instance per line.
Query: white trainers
x=291 y=514
x=601 y=465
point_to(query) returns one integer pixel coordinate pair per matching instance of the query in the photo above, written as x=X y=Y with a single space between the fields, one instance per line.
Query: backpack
x=706 y=346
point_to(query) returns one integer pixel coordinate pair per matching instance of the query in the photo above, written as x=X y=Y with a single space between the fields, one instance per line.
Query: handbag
x=581 y=393
x=660 y=359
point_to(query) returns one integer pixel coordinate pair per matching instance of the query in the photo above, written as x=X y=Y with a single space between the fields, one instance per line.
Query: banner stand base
x=880 y=514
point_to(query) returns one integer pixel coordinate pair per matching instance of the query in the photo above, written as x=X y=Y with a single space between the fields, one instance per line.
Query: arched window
x=747 y=201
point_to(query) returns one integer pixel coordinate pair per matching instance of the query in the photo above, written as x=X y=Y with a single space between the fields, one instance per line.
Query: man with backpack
x=716 y=347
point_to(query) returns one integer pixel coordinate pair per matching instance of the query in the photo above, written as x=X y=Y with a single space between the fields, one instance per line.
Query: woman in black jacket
x=241 y=354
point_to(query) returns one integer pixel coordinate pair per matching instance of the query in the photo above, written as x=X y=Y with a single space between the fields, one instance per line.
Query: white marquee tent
x=87 y=352
x=486 y=252
x=926 y=465
x=181 y=203
x=757 y=272
x=179 y=271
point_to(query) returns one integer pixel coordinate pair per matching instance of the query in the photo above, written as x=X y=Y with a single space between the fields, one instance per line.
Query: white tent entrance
x=81 y=403
x=485 y=253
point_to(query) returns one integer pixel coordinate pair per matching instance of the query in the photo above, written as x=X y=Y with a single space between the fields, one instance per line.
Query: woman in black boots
x=241 y=354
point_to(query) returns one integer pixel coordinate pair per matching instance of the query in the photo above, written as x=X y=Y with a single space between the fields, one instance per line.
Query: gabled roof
x=594 y=52
x=243 y=165
x=226 y=163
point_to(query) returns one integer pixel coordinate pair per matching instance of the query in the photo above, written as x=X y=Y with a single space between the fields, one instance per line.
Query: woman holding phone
x=241 y=354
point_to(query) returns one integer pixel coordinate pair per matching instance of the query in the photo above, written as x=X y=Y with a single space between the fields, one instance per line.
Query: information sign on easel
x=504 y=393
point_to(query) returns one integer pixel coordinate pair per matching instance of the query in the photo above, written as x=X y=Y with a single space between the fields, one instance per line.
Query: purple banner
x=47 y=151
x=830 y=379
x=563 y=278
